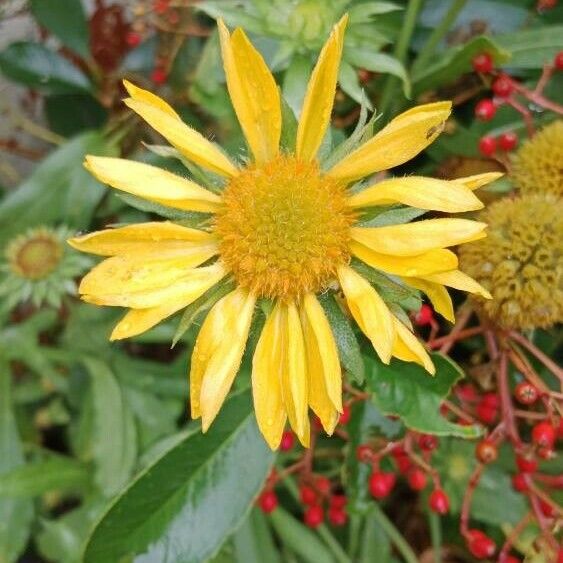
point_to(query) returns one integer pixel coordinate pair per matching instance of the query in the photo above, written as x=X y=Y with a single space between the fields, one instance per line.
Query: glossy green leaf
x=295 y=82
x=114 y=436
x=36 y=66
x=407 y=390
x=454 y=62
x=185 y=505
x=72 y=114
x=349 y=83
x=348 y=346
x=65 y=19
x=532 y=48
x=364 y=12
x=15 y=514
x=288 y=137
x=59 y=189
x=253 y=541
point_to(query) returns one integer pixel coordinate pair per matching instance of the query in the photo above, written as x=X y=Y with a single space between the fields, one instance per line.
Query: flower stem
x=394 y=535
x=436 y=535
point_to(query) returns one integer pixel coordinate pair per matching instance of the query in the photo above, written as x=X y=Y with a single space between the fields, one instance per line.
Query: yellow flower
x=283 y=229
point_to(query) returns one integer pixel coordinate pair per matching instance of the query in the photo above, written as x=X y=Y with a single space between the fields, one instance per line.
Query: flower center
x=36 y=256
x=284 y=229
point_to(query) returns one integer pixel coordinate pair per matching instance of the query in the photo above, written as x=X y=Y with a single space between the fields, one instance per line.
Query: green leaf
x=532 y=48
x=56 y=473
x=288 y=137
x=299 y=538
x=253 y=541
x=66 y=20
x=15 y=514
x=115 y=440
x=407 y=390
x=185 y=505
x=59 y=189
x=395 y=216
x=36 y=66
x=348 y=347
x=71 y=114
x=295 y=82
x=364 y=12
x=454 y=62
x=349 y=82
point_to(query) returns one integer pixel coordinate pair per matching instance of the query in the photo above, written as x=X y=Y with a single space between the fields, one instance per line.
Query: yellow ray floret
x=253 y=92
x=479 y=180
x=459 y=280
x=408 y=348
x=319 y=97
x=438 y=295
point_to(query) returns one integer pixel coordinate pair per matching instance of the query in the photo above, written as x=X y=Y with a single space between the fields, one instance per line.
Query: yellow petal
x=438 y=295
x=267 y=366
x=254 y=93
x=416 y=238
x=148 y=97
x=141 y=238
x=188 y=141
x=369 y=311
x=408 y=348
x=190 y=286
x=437 y=260
x=402 y=139
x=319 y=98
x=152 y=183
x=323 y=366
x=218 y=353
x=461 y=281
x=417 y=191
x=137 y=321
x=120 y=274
x=479 y=180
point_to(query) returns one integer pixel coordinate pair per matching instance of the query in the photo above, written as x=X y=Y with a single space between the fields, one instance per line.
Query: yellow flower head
x=283 y=229
x=536 y=167
x=520 y=262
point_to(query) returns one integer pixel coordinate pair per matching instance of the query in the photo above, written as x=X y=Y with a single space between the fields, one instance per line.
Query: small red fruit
x=416 y=479
x=160 y=6
x=337 y=516
x=307 y=495
x=543 y=434
x=403 y=464
x=558 y=61
x=314 y=516
x=520 y=483
x=546 y=508
x=485 y=110
x=323 y=485
x=424 y=316
x=483 y=62
x=487 y=145
x=287 y=441
x=487 y=408
x=503 y=86
x=364 y=453
x=345 y=416
x=381 y=484
x=526 y=393
x=486 y=451
x=526 y=464
x=545 y=453
x=268 y=501
x=480 y=545
x=428 y=442
x=132 y=39
x=439 y=502
x=546 y=5
x=158 y=76
x=508 y=141
x=509 y=559
x=338 y=501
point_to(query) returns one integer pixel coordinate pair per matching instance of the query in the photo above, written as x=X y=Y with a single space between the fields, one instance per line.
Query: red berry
x=526 y=393
x=480 y=545
x=486 y=451
x=503 y=86
x=338 y=501
x=439 y=502
x=485 y=110
x=268 y=501
x=508 y=141
x=560 y=555
x=337 y=516
x=558 y=61
x=424 y=316
x=487 y=145
x=526 y=464
x=398 y=451
x=546 y=5
x=520 y=483
x=543 y=434
x=483 y=62
x=158 y=76
x=364 y=453
x=403 y=464
x=381 y=484
x=160 y=6
x=509 y=559
x=545 y=453
x=467 y=392
x=546 y=508
x=428 y=442
x=345 y=416
x=132 y=39
x=307 y=495
x=314 y=516
x=416 y=479
x=323 y=485
x=287 y=441
x=491 y=399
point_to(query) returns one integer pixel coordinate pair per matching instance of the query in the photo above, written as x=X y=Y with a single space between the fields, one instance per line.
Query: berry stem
x=468 y=495
x=538 y=354
x=516 y=531
x=525 y=113
x=463 y=318
x=459 y=412
x=505 y=400
x=461 y=335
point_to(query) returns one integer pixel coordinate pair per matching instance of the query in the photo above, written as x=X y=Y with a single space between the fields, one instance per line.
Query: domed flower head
x=282 y=228
x=536 y=166
x=520 y=262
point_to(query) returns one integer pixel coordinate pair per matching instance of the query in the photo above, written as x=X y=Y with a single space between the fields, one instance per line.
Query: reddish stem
x=463 y=319
x=538 y=354
x=526 y=115
x=461 y=335
x=505 y=401
x=513 y=535
x=466 y=504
